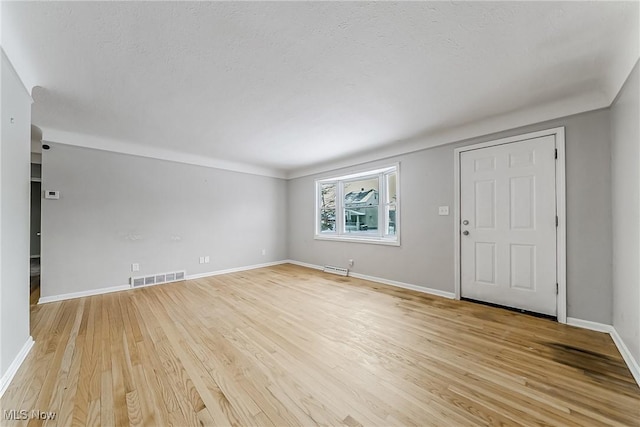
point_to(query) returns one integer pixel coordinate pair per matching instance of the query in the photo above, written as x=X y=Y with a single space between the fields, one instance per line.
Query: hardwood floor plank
x=134 y=413
x=65 y=379
x=287 y=345
x=116 y=343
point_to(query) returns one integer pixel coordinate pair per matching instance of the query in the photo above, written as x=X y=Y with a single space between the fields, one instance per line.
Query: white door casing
x=509 y=250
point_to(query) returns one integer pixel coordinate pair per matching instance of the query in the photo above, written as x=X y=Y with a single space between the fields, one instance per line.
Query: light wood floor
x=291 y=346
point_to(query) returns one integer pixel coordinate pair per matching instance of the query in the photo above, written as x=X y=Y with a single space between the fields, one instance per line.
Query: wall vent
x=336 y=270
x=157 y=279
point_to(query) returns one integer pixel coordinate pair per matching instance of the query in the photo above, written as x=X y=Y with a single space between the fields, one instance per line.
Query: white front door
x=508 y=225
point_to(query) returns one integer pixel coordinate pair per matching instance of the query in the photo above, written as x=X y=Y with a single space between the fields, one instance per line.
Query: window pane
x=361 y=206
x=392 y=189
x=328 y=208
x=327 y=220
x=390 y=220
x=328 y=196
x=362 y=220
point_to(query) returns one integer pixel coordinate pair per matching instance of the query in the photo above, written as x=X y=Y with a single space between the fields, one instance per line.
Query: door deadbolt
x=465 y=222
x=465 y=232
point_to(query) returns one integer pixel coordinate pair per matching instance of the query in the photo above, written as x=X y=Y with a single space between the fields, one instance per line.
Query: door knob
x=465 y=232
x=465 y=222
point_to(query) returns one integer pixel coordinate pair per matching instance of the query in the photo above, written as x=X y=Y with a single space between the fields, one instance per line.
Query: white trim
x=304 y=264
x=362 y=172
x=235 y=270
x=628 y=358
x=34 y=256
x=561 y=230
x=456 y=226
x=81 y=294
x=34 y=179
x=631 y=362
x=423 y=289
x=587 y=324
x=92 y=292
x=55 y=136
x=360 y=239
x=561 y=251
x=15 y=365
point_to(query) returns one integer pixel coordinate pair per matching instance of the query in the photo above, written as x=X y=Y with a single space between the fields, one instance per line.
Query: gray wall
x=14 y=216
x=425 y=257
x=625 y=165
x=116 y=209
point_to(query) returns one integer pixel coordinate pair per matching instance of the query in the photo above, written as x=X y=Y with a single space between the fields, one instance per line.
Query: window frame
x=340 y=233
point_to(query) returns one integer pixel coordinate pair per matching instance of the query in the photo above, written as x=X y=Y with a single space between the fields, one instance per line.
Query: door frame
x=561 y=230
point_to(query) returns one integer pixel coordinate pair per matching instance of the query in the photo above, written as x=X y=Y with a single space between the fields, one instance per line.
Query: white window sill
x=360 y=239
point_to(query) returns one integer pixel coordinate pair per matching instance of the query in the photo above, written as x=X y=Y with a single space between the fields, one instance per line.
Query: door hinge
x=557 y=292
x=556 y=153
x=556 y=221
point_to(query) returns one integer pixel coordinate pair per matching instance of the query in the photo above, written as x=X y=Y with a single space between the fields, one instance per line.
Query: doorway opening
x=35 y=220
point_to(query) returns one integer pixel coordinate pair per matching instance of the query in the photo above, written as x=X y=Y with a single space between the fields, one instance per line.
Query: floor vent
x=157 y=279
x=336 y=270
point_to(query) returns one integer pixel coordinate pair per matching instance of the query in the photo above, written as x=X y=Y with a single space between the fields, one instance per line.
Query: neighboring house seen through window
x=362 y=207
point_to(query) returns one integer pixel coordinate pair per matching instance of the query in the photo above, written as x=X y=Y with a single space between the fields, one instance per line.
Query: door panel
x=485 y=200
x=523 y=202
x=523 y=267
x=507 y=198
x=485 y=263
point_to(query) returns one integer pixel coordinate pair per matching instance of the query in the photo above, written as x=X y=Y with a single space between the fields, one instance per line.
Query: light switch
x=443 y=210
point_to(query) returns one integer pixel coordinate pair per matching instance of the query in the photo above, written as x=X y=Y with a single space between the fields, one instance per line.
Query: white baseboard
x=235 y=270
x=15 y=365
x=425 y=290
x=632 y=364
x=304 y=264
x=587 y=324
x=91 y=292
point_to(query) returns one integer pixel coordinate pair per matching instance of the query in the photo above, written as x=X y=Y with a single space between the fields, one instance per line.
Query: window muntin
x=361 y=206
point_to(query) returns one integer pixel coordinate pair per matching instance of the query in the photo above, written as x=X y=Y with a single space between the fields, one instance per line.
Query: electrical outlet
x=135 y=267
x=207 y=259
x=264 y=252
x=350 y=263
x=443 y=210
x=201 y=260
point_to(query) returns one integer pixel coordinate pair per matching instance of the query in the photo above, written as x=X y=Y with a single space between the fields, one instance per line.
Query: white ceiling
x=284 y=87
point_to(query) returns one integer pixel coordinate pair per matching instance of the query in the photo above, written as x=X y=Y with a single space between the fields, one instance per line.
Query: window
x=361 y=207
